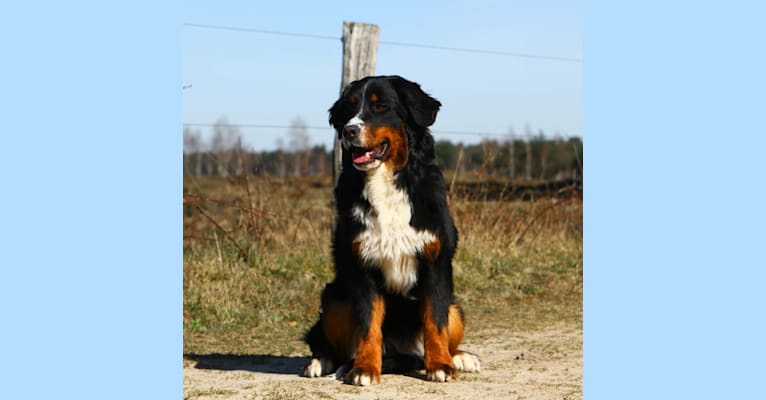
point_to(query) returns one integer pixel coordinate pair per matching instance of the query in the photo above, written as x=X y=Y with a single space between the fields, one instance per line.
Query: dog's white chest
x=388 y=240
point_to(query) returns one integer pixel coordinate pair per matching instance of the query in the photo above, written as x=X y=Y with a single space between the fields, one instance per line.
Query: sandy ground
x=544 y=364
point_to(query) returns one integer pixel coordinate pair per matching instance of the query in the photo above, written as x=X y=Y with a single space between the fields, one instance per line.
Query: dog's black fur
x=383 y=123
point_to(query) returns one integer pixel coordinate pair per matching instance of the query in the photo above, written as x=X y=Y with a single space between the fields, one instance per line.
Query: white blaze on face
x=388 y=240
x=356 y=120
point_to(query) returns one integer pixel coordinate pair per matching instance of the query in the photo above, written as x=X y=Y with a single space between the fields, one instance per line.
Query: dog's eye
x=377 y=107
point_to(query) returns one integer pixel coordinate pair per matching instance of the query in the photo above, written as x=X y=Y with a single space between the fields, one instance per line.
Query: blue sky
x=253 y=78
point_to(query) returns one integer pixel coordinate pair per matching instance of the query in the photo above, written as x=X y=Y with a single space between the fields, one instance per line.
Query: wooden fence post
x=360 y=46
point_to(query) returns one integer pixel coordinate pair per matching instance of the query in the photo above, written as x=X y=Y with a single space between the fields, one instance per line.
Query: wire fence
x=390 y=43
x=483 y=135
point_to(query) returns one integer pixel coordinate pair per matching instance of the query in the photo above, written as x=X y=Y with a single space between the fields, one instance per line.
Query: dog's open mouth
x=363 y=156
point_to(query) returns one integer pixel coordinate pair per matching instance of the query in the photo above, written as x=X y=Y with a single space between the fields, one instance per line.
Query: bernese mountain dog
x=391 y=306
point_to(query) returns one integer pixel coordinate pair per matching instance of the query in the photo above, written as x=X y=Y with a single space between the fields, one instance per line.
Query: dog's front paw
x=362 y=376
x=441 y=373
x=466 y=362
x=318 y=367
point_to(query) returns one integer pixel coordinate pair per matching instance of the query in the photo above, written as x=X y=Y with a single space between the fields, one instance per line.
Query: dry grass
x=257 y=254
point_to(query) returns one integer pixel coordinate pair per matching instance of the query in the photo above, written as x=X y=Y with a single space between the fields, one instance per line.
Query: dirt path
x=544 y=364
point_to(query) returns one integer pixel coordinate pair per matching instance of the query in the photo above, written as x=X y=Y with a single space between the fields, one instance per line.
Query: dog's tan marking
x=369 y=352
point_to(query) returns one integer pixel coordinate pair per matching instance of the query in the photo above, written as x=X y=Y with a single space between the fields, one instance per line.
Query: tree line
x=533 y=157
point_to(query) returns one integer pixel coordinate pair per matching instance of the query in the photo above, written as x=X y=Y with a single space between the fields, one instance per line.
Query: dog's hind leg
x=331 y=340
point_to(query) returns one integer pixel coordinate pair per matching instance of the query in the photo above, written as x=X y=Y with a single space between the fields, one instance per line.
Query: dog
x=391 y=306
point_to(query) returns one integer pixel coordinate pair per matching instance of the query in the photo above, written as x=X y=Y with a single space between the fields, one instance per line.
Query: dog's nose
x=351 y=130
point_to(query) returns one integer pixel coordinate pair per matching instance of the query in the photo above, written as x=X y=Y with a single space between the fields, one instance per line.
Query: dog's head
x=377 y=119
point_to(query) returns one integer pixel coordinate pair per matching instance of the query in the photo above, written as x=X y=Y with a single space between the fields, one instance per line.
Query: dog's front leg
x=438 y=363
x=369 y=351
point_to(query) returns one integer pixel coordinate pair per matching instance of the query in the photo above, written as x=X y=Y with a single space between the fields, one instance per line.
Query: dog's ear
x=421 y=107
x=335 y=116
x=341 y=110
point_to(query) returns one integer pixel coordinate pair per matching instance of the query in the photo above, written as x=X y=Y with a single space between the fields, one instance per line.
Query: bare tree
x=282 y=159
x=193 y=147
x=511 y=154
x=490 y=151
x=528 y=140
x=300 y=145
x=224 y=146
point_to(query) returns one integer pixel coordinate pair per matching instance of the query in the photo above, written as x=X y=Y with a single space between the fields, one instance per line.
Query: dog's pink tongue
x=365 y=157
